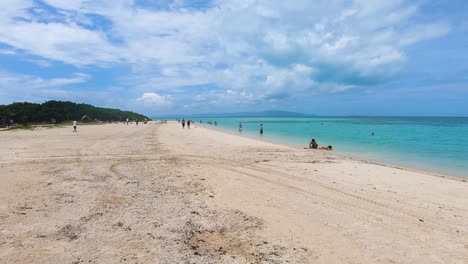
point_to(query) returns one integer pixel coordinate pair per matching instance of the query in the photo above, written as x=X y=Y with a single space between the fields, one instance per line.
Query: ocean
x=437 y=144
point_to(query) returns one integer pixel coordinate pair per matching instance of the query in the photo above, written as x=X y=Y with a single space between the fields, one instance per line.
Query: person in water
x=261 y=129
x=240 y=127
x=329 y=147
x=313 y=144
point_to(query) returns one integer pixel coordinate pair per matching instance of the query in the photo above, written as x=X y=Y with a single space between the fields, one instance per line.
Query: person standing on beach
x=188 y=124
x=74 y=126
x=127 y=120
x=183 y=123
x=261 y=129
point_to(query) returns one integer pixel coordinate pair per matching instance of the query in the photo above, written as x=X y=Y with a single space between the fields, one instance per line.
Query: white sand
x=161 y=194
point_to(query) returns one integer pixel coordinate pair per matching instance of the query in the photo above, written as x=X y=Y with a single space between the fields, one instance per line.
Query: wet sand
x=162 y=194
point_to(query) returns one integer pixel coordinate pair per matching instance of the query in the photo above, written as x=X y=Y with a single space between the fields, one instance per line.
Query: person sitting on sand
x=313 y=144
x=329 y=147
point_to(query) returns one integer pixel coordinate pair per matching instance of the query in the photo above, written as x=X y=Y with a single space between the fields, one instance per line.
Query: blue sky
x=333 y=57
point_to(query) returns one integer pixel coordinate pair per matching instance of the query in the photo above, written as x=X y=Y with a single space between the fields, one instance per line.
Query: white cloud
x=67 y=5
x=156 y=100
x=256 y=50
x=15 y=81
x=67 y=43
x=20 y=87
x=13 y=8
x=7 y=52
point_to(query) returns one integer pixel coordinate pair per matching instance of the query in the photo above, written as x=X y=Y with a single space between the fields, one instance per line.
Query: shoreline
x=343 y=155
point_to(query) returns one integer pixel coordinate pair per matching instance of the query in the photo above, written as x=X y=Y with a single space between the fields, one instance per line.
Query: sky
x=159 y=57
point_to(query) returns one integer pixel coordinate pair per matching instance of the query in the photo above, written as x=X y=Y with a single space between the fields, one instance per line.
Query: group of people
x=239 y=127
x=127 y=121
x=183 y=122
x=137 y=121
x=211 y=123
x=314 y=145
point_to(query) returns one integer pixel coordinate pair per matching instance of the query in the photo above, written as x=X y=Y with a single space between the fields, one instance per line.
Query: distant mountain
x=271 y=113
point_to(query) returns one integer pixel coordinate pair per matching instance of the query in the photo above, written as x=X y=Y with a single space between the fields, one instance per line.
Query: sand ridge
x=162 y=194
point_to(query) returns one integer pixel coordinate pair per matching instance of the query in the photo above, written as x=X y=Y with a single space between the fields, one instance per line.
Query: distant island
x=59 y=111
x=270 y=113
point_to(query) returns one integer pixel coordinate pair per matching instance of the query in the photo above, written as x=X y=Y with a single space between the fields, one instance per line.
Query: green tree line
x=26 y=113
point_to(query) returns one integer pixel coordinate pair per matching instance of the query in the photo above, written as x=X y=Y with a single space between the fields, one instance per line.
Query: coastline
x=345 y=155
x=159 y=193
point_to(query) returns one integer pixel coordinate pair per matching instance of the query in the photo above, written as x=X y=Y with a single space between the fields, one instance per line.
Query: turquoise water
x=438 y=144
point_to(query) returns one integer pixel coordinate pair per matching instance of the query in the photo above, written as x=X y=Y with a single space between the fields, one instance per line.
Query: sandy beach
x=158 y=193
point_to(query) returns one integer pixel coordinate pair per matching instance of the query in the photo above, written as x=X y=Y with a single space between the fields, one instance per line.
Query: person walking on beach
x=74 y=126
x=136 y=121
x=261 y=129
x=188 y=124
x=128 y=120
x=183 y=123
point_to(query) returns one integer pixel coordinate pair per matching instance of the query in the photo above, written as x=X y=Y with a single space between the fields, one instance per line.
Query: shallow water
x=438 y=144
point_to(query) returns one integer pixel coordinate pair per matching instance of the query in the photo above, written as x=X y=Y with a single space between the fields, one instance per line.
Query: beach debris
x=421 y=220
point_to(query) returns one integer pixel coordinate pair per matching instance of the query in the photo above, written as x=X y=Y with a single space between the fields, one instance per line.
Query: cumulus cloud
x=156 y=100
x=256 y=50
